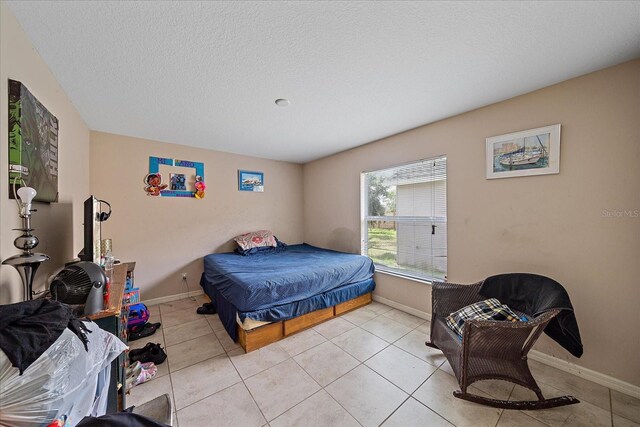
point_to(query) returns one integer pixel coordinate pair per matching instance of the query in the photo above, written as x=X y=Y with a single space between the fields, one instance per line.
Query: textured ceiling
x=207 y=74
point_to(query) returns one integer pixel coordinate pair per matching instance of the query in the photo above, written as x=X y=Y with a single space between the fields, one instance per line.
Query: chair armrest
x=503 y=339
x=449 y=297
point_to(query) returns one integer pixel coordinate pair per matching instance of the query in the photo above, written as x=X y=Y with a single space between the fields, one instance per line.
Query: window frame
x=364 y=220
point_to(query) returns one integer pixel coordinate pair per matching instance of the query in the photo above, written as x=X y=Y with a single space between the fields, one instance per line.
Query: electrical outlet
x=184 y=276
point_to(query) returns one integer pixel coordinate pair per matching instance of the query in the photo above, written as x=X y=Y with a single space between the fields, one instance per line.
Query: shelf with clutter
x=131 y=294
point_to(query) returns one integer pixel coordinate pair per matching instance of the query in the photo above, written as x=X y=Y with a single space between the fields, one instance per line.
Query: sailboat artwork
x=533 y=156
x=530 y=152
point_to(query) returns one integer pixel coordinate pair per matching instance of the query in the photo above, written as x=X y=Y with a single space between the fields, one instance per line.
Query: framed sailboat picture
x=525 y=153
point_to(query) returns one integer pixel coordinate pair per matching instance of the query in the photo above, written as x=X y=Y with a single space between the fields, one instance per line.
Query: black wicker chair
x=489 y=349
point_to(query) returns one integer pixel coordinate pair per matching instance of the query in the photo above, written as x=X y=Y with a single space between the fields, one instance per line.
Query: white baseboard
x=563 y=365
x=586 y=373
x=418 y=313
x=160 y=300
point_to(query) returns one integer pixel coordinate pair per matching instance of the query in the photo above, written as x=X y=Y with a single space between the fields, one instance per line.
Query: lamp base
x=27 y=265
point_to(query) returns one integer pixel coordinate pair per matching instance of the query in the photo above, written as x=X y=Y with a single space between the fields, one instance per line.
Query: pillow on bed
x=263 y=250
x=256 y=239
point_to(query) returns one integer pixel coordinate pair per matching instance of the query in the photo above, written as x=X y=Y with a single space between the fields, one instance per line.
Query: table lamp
x=27 y=262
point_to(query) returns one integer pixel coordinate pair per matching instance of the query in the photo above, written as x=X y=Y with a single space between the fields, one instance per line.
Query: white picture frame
x=525 y=153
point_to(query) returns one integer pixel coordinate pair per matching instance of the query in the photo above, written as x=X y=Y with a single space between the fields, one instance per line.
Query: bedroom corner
x=167 y=236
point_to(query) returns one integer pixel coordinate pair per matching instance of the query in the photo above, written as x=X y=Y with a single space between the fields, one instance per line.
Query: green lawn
x=383 y=246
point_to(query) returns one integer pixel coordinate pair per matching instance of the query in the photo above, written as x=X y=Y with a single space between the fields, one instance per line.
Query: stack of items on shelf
x=131 y=295
x=107 y=261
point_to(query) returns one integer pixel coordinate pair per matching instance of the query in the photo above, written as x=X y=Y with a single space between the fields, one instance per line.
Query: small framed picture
x=178 y=181
x=250 y=181
x=524 y=153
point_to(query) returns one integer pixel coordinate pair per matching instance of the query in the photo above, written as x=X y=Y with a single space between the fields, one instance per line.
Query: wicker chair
x=489 y=349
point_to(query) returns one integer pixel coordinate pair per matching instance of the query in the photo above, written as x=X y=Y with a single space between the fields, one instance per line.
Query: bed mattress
x=253 y=283
x=283 y=285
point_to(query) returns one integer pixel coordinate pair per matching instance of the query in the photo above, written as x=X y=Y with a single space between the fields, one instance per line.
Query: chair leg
x=520 y=405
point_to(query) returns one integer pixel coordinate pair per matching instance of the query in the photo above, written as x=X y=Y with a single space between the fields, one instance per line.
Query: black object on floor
x=148 y=330
x=120 y=419
x=139 y=351
x=207 y=308
x=149 y=353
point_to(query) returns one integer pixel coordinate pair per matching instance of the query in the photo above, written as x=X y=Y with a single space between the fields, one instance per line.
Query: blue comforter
x=257 y=282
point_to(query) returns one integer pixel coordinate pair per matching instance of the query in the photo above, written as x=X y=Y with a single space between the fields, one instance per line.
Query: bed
x=264 y=297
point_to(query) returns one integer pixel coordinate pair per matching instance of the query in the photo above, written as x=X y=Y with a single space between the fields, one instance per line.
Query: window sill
x=403 y=276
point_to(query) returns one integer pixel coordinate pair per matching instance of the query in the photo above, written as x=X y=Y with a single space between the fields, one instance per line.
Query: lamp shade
x=26 y=194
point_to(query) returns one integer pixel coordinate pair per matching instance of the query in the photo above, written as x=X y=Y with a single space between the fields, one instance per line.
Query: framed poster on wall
x=250 y=181
x=33 y=144
x=525 y=153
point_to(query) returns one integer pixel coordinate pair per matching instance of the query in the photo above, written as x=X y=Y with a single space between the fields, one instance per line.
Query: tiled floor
x=366 y=368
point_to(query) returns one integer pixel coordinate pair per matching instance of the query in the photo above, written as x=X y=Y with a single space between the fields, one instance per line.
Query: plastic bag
x=62 y=381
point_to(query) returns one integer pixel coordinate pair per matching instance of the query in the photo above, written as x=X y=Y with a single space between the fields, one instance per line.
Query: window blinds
x=404 y=218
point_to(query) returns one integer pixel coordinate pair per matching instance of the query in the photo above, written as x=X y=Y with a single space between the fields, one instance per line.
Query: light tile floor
x=369 y=367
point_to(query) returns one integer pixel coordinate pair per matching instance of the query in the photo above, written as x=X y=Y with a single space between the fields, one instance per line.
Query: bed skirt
x=227 y=311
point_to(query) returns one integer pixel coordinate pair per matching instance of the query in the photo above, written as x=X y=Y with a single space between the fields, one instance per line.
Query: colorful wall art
x=250 y=181
x=189 y=183
x=33 y=144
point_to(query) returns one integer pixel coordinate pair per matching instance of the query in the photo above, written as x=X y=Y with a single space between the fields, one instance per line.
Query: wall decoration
x=250 y=181
x=33 y=144
x=154 y=184
x=182 y=184
x=178 y=181
x=200 y=187
x=525 y=153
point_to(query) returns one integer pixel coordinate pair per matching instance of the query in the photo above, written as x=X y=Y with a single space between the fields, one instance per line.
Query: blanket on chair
x=533 y=294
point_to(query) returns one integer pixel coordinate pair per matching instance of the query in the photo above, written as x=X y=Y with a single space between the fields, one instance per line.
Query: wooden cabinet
x=114 y=319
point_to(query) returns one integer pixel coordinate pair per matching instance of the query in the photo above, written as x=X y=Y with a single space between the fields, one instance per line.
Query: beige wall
x=58 y=225
x=553 y=225
x=167 y=236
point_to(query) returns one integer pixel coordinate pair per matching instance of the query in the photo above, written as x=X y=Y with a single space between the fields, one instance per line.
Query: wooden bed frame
x=267 y=334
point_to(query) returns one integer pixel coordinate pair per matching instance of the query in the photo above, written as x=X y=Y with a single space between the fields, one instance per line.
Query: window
x=404 y=219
